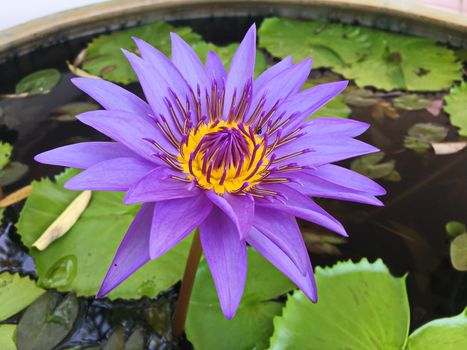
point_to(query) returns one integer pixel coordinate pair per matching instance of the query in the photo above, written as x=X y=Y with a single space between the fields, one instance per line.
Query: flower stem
x=187 y=285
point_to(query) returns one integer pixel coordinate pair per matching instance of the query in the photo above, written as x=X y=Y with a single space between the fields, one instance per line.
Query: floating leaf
x=251 y=327
x=16 y=293
x=319 y=241
x=441 y=148
x=411 y=102
x=79 y=260
x=5 y=153
x=403 y=62
x=64 y=222
x=456 y=107
x=38 y=83
x=360 y=97
x=335 y=108
x=361 y=307
x=448 y=333
x=330 y=45
x=458 y=252
x=455 y=228
x=7 y=336
x=67 y=113
x=372 y=166
x=13 y=172
x=421 y=135
x=226 y=54
x=104 y=58
x=47 y=322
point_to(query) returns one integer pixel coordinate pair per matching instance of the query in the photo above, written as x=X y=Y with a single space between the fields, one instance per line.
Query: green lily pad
x=360 y=307
x=336 y=108
x=5 y=153
x=448 y=333
x=79 y=260
x=403 y=62
x=207 y=327
x=104 y=58
x=47 y=321
x=455 y=228
x=38 y=83
x=16 y=293
x=226 y=54
x=411 y=102
x=421 y=135
x=330 y=45
x=371 y=57
x=458 y=252
x=7 y=336
x=372 y=166
x=456 y=107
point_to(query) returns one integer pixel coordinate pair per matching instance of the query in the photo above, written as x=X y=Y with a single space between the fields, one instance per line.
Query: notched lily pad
x=372 y=166
x=103 y=57
x=47 y=321
x=38 y=83
x=456 y=107
x=421 y=135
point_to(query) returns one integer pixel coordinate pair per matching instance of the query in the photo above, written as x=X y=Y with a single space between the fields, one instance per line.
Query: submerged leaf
x=458 y=252
x=79 y=260
x=372 y=166
x=361 y=307
x=360 y=97
x=16 y=293
x=68 y=112
x=206 y=326
x=104 y=58
x=421 y=135
x=38 y=83
x=411 y=102
x=13 y=172
x=448 y=333
x=226 y=54
x=456 y=107
x=47 y=322
x=64 y=222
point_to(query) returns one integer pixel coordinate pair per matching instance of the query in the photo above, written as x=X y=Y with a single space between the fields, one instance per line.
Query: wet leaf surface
x=456 y=107
x=47 y=322
x=421 y=135
x=206 y=326
x=79 y=260
x=448 y=333
x=226 y=54
x=360 y=97
x=38 y=83
x=16 y=293
x=411 y=102
x=104 y=58
x=373 y=167
x=361 y=306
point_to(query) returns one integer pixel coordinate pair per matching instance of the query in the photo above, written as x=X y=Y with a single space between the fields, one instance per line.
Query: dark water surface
x=408 y=233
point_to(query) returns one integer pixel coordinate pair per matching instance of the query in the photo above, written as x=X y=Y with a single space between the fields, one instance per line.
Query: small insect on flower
x=217 y=150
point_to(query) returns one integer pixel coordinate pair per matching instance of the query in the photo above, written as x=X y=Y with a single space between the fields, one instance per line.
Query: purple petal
x=284 y=84
x=174 y=219
x=335 y=126
x=227 y=259
x=322 y=150
x=282 y=229
x=111 y=96
x=159 y=185
x=241 y=68
x=271 y=72
x=128 y=129
x=188 y=63
x=215 y=69
x=116 y=174
x=347 y=178
x=279 y=259
x=297 y=204
x=317 y=187
x=83 y=155
x=240 y=209
x=132 y=253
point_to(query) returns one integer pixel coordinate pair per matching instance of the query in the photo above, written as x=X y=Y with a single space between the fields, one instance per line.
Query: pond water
x=407 y=233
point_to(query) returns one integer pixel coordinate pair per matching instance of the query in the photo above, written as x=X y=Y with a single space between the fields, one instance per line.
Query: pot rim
x=86 y=20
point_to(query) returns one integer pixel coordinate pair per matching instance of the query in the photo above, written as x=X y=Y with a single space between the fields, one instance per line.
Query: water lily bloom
x=235 y=156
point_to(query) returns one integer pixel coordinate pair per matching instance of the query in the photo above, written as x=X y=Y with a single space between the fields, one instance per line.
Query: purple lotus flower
x=218 y=150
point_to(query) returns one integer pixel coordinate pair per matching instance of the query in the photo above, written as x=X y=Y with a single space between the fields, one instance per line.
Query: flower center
x=224 y=157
